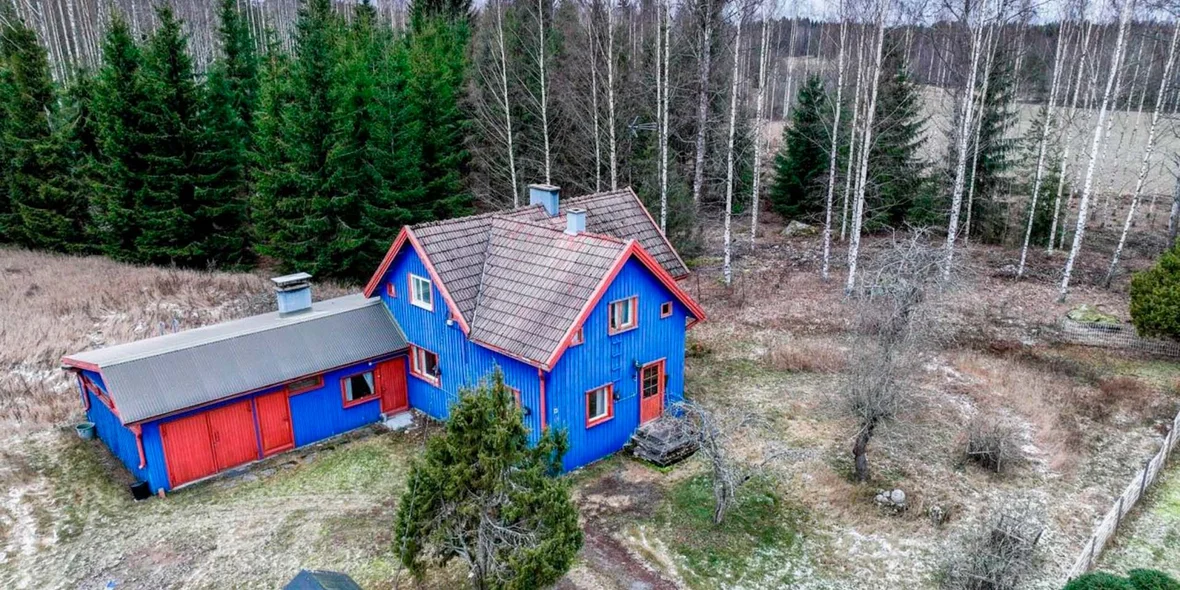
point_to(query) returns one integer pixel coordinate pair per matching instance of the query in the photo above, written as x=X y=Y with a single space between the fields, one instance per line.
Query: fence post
x=1143 y=484
x=1090 y=561
x=1118 y=516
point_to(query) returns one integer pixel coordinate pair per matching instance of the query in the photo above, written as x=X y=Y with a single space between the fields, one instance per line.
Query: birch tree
x=865 y=148
x=706 y=49
x=758 y=139
x=1087 y=186
x=727 y=267
x=667 y=58
x=839 y=106
x=610 y=95
x=544 y=79
x=1148 y=150
x=1046 y=126
x=508 y=146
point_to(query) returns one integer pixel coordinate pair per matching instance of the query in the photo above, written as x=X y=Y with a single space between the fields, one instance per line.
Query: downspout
x=544 y=405
x=138 y=431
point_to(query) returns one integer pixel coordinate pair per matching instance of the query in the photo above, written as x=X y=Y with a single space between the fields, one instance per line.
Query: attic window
x=391 y=289
x=624 y=314
x=579 y=337
x=421 y=294
x=358 y=388
x=305 y=384
x=600 y=405
x=665 y=309
x=424 y=364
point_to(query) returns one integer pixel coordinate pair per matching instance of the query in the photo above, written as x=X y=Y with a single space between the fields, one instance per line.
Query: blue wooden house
x=576 y=302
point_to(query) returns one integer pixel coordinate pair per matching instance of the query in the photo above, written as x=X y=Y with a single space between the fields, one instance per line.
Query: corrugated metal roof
x=157 y=376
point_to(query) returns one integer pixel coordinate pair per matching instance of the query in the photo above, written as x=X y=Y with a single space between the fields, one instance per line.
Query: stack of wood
x=663 y=442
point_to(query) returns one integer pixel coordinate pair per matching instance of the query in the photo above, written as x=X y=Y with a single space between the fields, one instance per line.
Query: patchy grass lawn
x=1150 y=537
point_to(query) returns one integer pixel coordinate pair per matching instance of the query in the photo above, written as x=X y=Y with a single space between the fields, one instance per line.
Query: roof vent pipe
x=293 y=292
x=575 y=221
x=545 y=195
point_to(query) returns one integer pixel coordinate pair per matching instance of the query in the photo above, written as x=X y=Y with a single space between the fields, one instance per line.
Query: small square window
x=391 y=289
x=424 y=365
x=579 y=337
x=305 y=384
x=358 y=388
x=421 y=294
x=666 y=309
x=600 y=405
x=623 y=314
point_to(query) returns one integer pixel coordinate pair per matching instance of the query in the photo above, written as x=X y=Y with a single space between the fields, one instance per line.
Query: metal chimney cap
x=298 y=279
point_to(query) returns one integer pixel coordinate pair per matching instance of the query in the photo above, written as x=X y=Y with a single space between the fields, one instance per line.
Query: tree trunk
x=544 y=89
x=856 y=104
x=698 y=180
x=758 y=140
x=1148 y=150
x=726 y=267
x=1084 y=202
x=663 y=33
x=865 y=148
x=835 y=151
x=507 y=110
x=610 y=95
x=860 y=449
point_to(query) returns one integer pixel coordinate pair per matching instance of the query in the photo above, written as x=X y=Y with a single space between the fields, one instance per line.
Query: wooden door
x=234 y=439
x=391 y=384
x=188 y=449
x=651 y=391
x=274 y=422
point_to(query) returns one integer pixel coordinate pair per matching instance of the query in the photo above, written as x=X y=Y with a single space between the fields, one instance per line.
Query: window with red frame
x=424 y=364
x=666 y=309
x=624 y=314
x=358 y=388
x=391 y=289
x=579 y=337
x=600 y=405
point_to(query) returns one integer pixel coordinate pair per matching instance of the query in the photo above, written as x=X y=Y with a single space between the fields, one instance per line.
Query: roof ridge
x=297 y=319
x=483 y=275
x=552 y=228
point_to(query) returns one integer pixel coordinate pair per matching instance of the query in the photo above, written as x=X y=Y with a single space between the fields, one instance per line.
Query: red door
x=651 y=391
x=188 y=450
x=274 y=422
x=391 y=384
x=232 y=430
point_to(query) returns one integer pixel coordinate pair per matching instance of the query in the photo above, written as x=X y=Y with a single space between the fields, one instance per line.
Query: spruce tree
x=121 y=170
x=45 y=212
x=276 y=201
x=995 y=153
x=453 y=502
x=437 y=69
x=801 y=165
x=7 y=95
x=227 y=115
x=1027 y=152
x=173 y=223
x=294 y=187
x=899 y=191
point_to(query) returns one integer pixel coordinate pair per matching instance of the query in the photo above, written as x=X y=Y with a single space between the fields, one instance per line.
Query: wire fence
x=1135 y=491
x=1122 y=336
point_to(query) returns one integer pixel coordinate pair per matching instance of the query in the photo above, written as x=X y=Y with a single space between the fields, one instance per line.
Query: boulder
x=798 y=228
x=1088 y=314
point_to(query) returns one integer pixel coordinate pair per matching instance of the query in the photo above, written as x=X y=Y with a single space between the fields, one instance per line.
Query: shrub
x=1155 y=297
x=992 y=444
x=1135 y=580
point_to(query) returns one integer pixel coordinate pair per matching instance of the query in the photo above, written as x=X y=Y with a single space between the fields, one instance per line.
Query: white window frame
x=606 y=392
x=415 y=300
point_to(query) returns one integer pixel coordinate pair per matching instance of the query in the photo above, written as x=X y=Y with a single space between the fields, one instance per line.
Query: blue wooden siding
x=315 y=415
x=461 y=362
x=604 y=359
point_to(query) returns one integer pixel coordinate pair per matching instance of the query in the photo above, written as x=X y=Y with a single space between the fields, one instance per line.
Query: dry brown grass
x=53 y=305
x=807 y=356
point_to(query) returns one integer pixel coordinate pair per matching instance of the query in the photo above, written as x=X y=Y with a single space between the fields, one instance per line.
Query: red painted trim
x=633 y=302
x=633 y=249
x=243 y=394
x=374 y=396
x=98 y=392
x=394 y=248
x=69 y=362
x=138 y=431
x=610 y=404
x=544 y=406
x=431 y=379
x=82 y=390
x=391 y=289
x=579 y=336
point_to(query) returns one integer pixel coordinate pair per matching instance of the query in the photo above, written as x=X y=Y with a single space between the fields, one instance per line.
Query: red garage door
x=188 y=450
x=203 y=444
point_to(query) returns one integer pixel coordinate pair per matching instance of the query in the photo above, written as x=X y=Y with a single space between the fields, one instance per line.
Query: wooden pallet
x=662 y=443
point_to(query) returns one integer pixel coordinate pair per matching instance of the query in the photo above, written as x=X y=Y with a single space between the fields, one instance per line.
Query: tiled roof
x=519 y=282
x=535 y=283
x=619 y=214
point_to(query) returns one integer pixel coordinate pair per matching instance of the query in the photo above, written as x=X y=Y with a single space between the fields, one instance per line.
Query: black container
x=140 y=490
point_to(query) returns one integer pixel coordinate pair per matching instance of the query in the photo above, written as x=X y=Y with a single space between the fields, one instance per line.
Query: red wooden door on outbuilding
x=203 y=444
x=391 y=384
x=274 y=422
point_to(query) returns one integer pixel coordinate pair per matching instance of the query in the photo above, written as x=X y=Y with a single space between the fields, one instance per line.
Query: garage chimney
x=293 y=292
x=545 y=195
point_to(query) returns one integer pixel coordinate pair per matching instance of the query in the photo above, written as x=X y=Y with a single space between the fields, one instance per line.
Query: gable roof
x=518 y=284
x=158 y=376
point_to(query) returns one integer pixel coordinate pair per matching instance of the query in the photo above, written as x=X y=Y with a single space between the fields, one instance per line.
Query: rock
x=798 y=228
x=892 y=499
x=897 y=497
x=1090 y=315
x=937 y=514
